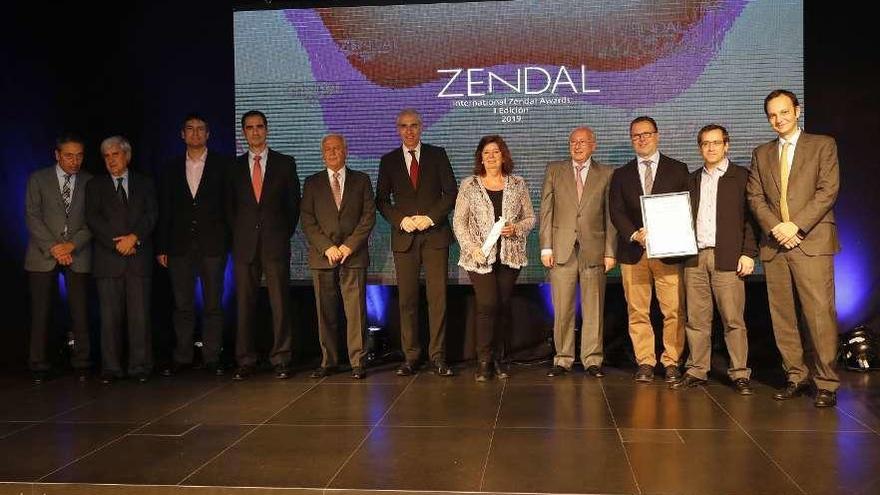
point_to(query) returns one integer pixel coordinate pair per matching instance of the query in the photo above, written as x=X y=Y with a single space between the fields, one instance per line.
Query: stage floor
x=197 y=434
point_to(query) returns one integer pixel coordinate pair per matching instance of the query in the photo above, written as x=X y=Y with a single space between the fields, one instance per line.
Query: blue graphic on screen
x=527 y=70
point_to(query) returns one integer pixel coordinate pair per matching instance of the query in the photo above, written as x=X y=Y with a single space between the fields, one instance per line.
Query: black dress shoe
x=792 y=390
x=107 y=379
x=687 y=382
x=645 y=374
x=501 y=371
x=595 y=371
x=673 y=374
x=171 y=369
x=142 y=377
x=282 y=371
x=82 y=375
x=442 y=369
x=322 y=372
x=484 y=371
x=215 y=369
x=243 y=373
x=825 y=398
x=39 y=377
x=358 y=373
x=743 y=386
x=556 y=370
x=406 y=369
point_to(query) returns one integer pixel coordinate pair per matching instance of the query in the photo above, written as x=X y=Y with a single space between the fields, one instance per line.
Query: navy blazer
x=626 y=207
x=108 y=218
x=435 y=196
x=199 y=221
x=269 y=223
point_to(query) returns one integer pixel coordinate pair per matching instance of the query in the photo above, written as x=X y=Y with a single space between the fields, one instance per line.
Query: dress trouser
x=183 y=271
x=702 y=282
x=803 y=286
x=247 y=285
x=564 y=279
x=492 y=292
x=125 y=303
x=351 y=284
x=43 y=287
x=408 y=265
x=639 y=281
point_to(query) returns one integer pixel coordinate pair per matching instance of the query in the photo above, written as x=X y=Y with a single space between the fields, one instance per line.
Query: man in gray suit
x=337 y=215
x=59 y=241
x=577 y=245
x=793 y=185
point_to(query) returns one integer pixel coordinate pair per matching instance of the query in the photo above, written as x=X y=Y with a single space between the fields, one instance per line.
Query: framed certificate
x=669 y=223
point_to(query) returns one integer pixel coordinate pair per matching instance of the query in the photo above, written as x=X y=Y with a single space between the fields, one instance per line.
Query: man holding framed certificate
x=649 y=173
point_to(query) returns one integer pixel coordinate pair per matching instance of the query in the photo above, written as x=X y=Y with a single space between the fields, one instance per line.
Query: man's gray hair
x=120 y=141
x=411 y=112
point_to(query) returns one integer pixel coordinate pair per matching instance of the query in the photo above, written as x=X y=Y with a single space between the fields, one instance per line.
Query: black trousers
x=247 y=283
x=408 y=265
x=125 y=303
x=43 y=289
x=183 y=271
x=492 y=292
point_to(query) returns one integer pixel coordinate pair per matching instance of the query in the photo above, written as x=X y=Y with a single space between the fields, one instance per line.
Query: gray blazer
x=44 y=214
x=564 y=220
x=475 y=215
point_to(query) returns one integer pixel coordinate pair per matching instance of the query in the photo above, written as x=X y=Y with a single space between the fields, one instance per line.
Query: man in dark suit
x=121 y=212
x=59 y=241
x=649 y=173
x=726 y=242
x=419 y=177
x=792 y=189
x=191 y=242
x=577 y=246
x=263 y=204
x=338 y=214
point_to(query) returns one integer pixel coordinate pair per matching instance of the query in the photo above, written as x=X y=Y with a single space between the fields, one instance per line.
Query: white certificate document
x=669 y=223
x=493 y=236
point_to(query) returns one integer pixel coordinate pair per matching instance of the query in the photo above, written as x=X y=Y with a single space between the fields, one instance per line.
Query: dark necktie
x=414 y=170
x=66 y=194
x=120 y=192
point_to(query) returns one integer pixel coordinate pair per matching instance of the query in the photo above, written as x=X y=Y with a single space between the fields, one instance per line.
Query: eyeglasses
x=708 y=144
x=642 y=135
x=582 y=142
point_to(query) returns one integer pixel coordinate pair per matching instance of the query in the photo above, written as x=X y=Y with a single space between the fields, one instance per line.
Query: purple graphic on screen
x=382 y=59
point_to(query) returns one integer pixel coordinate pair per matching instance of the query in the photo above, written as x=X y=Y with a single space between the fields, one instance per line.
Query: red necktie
x=414 y=170
x=257 y=178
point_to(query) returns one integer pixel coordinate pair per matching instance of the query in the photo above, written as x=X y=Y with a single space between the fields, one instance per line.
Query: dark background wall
x=136 y=68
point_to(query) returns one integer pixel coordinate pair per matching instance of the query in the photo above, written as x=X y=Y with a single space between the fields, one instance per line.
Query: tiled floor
x=198 y=434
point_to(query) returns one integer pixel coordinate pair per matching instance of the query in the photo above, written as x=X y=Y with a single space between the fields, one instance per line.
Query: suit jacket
x=185 y=220
x=45 y=218
x=325 y=226
x=565 y=220
x=269 y=223
x=435 y=196
x=813 y=185
x=735 y=229
x=626 y=208
x=108 y=218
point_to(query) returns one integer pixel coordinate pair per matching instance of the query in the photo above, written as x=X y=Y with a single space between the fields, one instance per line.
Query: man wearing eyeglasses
x=727 y=246
x=577 y=246
x=792 y=189
x=651 y=172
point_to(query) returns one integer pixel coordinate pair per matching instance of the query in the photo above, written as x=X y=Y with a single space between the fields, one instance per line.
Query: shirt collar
x=199 y=159
x=331 y=172
x=61 y=173
x=124 y=177
x=655 y=158
x=587 y=163
x=792 y=140
x=418 y=149
x=263 y=154
x=719 y=169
